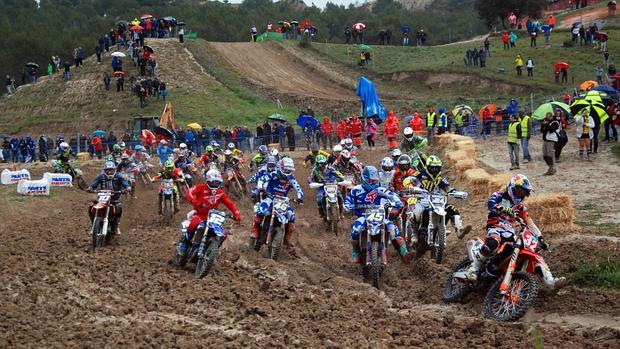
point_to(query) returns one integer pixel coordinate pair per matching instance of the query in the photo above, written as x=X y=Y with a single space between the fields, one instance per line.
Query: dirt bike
x=273 y=228
x=142 y=171
x=373 y=244
x=234 y=182
x=168 y=199
x=103 y=217
x=205 y=244
x=431 y=233
x=76 y=174
x=332 y=203
x=511 y=275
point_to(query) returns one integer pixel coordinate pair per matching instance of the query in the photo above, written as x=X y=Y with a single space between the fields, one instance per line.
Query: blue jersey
x=359 y=199
x=273 y=186
x=117 y=183
x=260 y=174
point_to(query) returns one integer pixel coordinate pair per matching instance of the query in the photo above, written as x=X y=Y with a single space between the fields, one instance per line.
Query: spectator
x=67 y=74
x=506 y=40
x=547 y=34
x=533 y=36
x=253 y=33
x=43 y=150
x=111 y=140
x=487 y=47
x=519 y=65
x=181 y=35
x=290 y=135
x=483 y=58
x=120 y=83
x=98 y=52
x=405 y=31
x=431 y=122
x=611 y=8
x=514 y=134
x=599 y=74
x=97 y=146
x=106 y=81
x=282 y=135
x=347 y=34
x=327 y=131
x=549 y=128
x=582 y=36
x=50 y=69
x=513 y=107
x=512 y=20
x=163 y=92
x=611 y=134
x=562 y=137
x=584 y=125
x=513 y=40
x=487 y=119
x=564 y=73
x=468 y=58
x=6 y=150
x=575 y=32
x=530 y=67
x=371 y=133
x=551 y=21
x=526 y=133
x=475 y=56
x=10 y=85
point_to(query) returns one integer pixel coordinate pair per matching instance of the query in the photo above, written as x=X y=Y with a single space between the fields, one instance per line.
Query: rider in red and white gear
x=205 y=197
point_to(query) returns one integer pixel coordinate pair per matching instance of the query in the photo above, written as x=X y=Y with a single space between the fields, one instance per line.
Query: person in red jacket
x=356 y=131
x=341 y=129
x=97 y=146
x=506 y=40
x=327 y=133
x=205 y=197
x=391 y=130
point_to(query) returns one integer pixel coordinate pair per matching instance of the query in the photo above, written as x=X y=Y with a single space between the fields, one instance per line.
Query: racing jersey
x=273 y=186
x=328 y=175
x=205 y=199
x=116 y=184
x=359 y=199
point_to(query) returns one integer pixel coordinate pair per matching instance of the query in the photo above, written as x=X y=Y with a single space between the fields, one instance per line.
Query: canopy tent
x=370 y=100
x=277 y=117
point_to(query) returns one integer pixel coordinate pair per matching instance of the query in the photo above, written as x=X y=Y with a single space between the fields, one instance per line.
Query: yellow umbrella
x=194 y=126
x=135 y=21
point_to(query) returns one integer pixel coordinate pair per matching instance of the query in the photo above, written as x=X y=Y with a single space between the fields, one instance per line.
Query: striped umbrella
x=596 y=109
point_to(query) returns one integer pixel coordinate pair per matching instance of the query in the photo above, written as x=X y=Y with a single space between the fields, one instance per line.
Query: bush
x=568 y=43
x=305 y=41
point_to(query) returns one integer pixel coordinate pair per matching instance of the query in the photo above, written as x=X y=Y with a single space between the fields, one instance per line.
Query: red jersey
x=204 y=199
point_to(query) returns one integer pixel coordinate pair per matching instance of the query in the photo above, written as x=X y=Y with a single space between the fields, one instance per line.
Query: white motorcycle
x=332 y=202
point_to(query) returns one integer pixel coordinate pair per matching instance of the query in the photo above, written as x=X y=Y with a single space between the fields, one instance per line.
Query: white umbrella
x=118 y=54
x=359 y=26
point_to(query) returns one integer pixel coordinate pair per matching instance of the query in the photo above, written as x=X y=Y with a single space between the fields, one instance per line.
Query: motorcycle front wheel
x=439 y=243
x=511 y=306
x=206 y=262
x=455 y=288
x=97 y=238
x=375 y=264
x=167 y=210
x=276 y=243
x=334 y=218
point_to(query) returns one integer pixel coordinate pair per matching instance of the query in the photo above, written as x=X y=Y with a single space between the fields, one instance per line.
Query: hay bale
x=469 y=149
x=478 y=180
x=458 y=138
x=552 y=212
x=464 y=165
x=455 y=156
x=498 y=182
x=83 y=156
x=443 y=139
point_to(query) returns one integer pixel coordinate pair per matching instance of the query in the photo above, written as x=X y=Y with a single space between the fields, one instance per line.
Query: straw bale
x=552 y=212
x=498 y=182
x=478 y=180
x=469 y=149
x=458 y=138
x=464 y=165
x=443 y=139
x=455 y=156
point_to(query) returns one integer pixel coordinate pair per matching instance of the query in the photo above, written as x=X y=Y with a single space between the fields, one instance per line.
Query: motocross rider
x=109 y=179
x=314 y=152
x=63 y=158
x=126 y=169
x=402 y=171
x=259 y=159
x=386 y=173
x=335 y=154
x=205 y=197
x=323 y=173
x=170 y=172
x=348 y=145
x=413 y=144
x=270 y=167
x=208 y=157
x=235 y=151
x=185 y=164
x=278 y=183
x=117 y=152
x=431 y=180
x=369 y=194
x=185 y=151
x=345 y=166
x=234 y=163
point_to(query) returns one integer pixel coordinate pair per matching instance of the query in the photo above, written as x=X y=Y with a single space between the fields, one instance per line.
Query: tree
x=490 y=11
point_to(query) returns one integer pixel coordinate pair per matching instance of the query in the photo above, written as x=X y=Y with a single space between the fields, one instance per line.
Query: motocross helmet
x=183 y=146
x=404 y=162
x=64 y=146
x=109 y=169
x=370 y=178
x=262 y=150
x=213 y=179
x=163 y=142
x=271 y=164
x=395 y=154
x=169 y=165
x=109 y=158
x=337 y=149
x=125 y=157
x=138 y=148
x=122 y=144
x=315 y=148
x=519 y=188
x=433 y=165
x=345 y=155
x=321 y=161
x=408 y=133
x=274 y=152
x=342 y=142
x=116 y=148
x=286 y=167
x=409 y=182
x=209 y=149
x=348 y=143
x=227 y=152
x=387 y=164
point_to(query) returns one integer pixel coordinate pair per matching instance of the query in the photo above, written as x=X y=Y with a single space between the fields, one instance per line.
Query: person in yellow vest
x=458 y=123
x=514 y=134
x=584 y=124
x=431 y=122
x=526 y=133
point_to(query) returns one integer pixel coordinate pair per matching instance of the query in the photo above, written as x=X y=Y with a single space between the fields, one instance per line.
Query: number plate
x=216 y=218
x=331 y=189
x=412 y=200
x=375 y=216
x=438 y=199
x=280 y=205
x=103 y=197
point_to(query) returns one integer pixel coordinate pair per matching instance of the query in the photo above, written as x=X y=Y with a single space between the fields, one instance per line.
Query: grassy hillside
x=82 y=104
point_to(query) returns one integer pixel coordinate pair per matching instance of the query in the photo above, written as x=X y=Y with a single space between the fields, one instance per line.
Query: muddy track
x=55 y=294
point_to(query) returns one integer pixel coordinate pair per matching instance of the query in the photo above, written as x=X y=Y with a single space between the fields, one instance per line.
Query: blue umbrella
x=610 y=90
x=98 y=133
x=405 y=29
x=306 y=120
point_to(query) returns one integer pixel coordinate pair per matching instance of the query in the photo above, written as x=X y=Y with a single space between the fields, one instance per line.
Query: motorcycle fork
x=505 y=285
x=368 y=246
x=270 y=230
x=430 y=232
x=383 y=245
x=92 y=228
x=104 y=229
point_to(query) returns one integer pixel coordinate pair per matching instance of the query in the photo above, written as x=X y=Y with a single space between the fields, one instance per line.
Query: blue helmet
x=370 y=178
x=138 y=147
x=263 y=150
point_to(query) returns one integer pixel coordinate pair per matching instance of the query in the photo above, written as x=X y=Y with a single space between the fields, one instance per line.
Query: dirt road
x=270 y=66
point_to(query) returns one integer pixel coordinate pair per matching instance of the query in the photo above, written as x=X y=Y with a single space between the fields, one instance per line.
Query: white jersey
x=385 y=178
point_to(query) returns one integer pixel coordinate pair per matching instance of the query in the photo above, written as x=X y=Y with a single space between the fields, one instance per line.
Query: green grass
x=604 y=273
x=388 y=60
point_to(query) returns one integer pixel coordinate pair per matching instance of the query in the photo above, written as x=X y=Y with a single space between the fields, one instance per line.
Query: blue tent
x=370 y=100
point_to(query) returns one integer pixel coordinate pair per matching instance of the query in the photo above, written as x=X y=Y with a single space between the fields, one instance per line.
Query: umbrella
x=461 y=108
x=551 y=107
x=146 y=16
x=294 y=22
x=122 y=21
x=118 y=54
x=195 y=126
x=32 y=64
x=148 y=48
x=277 y=117
x=491 y=107
x=180 y=24
x=610 y=90
x=364 y=47
x=98 y=133
x=307 y=121
x=560 y=65
x=135 y=22
x=405 y=29
x=136 y=28
x=305 y=24
x=170 y=18
x=594 y=96
x=596 y=109
x=358 y=26
x=164 y=132
x=119 y=73
x=281 y=22
x=588 y=85
x=601 y=36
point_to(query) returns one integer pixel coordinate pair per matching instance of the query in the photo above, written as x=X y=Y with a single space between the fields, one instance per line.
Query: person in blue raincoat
x=164 y=151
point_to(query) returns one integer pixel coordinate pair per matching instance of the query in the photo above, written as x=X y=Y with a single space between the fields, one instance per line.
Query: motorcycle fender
x=332 y=199
x=534 y=260
x=374 y=229
x=282 y=218
x=440 y=211
x=219 y=231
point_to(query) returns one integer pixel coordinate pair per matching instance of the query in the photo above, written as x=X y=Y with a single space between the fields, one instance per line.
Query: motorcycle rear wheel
x=456 y=290
x=512 y=306
x=205 y=263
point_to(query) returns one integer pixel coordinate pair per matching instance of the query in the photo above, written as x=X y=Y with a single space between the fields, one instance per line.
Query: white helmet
x=387 y=164
x=345 y=154
x=348 y=142
x=337 y=148
x=163 y=141
x=64 y=146
x=213 y=179
x=274 y=152
x=227 y=152
x=396 y=153
x=231 y=145
x=342 y=142
x=408 y=132
x=122 y=144
x=182 y=146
